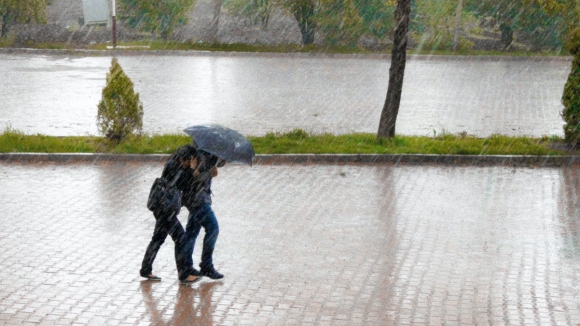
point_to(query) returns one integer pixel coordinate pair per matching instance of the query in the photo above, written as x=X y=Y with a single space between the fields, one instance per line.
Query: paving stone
x=319 y=244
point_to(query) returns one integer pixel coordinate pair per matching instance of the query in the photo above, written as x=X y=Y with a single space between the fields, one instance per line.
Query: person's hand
x=214 y=171
x=193 y=166
x=193 y=163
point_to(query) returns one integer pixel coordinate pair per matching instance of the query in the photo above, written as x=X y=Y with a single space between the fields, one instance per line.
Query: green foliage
x=257 y=10
x=537 y=26
x=571 y=99
x=305 y=13
x=20 y=11
x=343 y=22
x=120 y=112
x=573 y=42
x=433 y=24
x=565 y=12
x=542 y=24
x=377 y=16
x=340 y=22
x=160 y=17
x=7 y=41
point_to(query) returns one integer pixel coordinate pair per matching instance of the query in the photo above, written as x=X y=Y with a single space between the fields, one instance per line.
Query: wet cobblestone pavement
x=299 y=245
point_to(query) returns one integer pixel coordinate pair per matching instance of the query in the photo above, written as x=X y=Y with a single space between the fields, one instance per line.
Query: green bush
x=571 y=96
x=573 y=42
x=120 y=110
x=343 y=22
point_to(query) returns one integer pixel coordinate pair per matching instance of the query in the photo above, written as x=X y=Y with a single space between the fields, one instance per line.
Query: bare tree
x=396 y=72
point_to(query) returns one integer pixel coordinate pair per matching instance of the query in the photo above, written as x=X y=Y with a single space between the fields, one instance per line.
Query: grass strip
x=312 y=48
x=294 y=142
x=146 y=45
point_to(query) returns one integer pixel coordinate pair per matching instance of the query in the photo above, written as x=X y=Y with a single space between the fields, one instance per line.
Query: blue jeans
x=201 y=216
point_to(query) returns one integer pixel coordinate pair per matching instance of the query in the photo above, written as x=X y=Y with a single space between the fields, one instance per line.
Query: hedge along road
x=53 y=93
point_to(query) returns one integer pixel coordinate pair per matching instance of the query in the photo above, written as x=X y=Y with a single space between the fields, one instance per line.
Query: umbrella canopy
x=223 y=142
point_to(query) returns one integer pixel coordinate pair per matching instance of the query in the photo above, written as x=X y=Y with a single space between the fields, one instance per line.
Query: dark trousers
x=166 y=226
x=201 y=216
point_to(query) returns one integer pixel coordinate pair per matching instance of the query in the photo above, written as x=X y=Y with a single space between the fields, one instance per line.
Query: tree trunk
x=307 y=33
x=213 y=29
x=4 y=26
x=457 y=25
x=3 y=29
x=304 y=12
x=397 y=71
x=264 y=13
x=507 y=35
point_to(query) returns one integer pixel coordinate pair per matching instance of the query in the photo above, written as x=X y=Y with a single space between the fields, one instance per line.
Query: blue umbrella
x=223 y=142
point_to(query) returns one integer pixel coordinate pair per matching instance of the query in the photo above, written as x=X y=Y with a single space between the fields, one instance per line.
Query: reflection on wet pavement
x=58 y=95
x=315 y=244
x=191 y=305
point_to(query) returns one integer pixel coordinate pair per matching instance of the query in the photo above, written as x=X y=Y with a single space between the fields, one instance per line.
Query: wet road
x=58 y=95
x=300 y=245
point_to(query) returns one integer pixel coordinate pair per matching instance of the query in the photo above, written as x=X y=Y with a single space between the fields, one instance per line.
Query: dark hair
x=209 y=160
x=186 y=152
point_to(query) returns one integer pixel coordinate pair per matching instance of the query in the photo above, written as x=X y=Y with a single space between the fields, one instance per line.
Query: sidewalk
x=315 y=244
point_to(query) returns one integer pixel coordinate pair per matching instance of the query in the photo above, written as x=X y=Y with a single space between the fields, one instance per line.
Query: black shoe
x=151 y=277
x=195 y=272
x=211 y=273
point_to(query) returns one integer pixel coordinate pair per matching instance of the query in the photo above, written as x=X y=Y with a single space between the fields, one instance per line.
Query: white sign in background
x=96 y=11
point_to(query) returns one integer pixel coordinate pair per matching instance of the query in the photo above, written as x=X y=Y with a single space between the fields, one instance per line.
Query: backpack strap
x=172 y=183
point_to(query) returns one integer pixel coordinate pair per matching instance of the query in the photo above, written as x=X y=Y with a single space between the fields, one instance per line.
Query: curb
x=193 y=53
x=304 y=159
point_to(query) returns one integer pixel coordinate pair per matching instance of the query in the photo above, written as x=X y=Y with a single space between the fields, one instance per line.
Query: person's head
x=207 y=160
x=185 y=153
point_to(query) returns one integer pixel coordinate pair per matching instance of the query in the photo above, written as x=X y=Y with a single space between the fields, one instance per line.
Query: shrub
x=571 y=96
x=573 y=42
x=120 y=111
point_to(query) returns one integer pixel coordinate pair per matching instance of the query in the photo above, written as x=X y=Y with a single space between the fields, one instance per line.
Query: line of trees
x=20 y=11
x=160 y=18
x=540 y=23
x=342 y=22
x=434 y=24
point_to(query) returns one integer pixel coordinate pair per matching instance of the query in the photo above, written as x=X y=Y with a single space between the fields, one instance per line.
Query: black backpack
x=164 y=197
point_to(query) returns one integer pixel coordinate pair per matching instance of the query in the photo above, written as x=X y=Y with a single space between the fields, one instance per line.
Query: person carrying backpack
x=179 y=166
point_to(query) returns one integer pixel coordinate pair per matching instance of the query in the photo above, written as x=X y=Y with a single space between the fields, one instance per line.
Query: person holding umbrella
x=197 y=199
x=215 y=145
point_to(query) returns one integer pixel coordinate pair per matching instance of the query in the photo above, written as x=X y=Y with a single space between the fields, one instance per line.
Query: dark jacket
x=197 y=190
x=172 y=166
